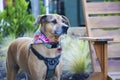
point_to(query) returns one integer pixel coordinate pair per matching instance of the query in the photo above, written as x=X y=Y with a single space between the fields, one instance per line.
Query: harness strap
x=51 y=63
x=36 y=53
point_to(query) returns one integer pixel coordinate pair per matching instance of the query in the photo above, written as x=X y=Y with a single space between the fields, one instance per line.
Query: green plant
x=15 y=19
x=76 y=57
x=42 y=8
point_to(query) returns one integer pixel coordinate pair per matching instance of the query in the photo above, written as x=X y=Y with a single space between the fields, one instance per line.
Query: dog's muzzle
x=61 y=30
x=64 y=29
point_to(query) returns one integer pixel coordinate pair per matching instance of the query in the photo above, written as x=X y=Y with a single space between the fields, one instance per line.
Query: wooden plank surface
x=107 y=7
x=113 y=33
x=114 y=50
x=96 y=38
x=113 y=66
x=104 y=22
x=114 y=75
x=104 y=26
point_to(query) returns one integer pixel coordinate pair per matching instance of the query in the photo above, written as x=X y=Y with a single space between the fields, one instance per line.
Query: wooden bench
x=103 y=20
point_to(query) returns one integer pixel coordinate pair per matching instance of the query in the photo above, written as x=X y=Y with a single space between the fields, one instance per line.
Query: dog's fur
x=19 y=55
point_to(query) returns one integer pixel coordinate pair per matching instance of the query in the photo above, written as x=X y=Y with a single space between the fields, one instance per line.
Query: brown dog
x=35 y=58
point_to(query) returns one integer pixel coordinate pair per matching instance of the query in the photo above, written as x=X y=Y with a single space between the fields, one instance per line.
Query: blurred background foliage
x=16 y=21
x=42 y=7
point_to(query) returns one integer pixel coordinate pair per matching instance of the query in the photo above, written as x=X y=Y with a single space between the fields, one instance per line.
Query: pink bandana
x=40 y=38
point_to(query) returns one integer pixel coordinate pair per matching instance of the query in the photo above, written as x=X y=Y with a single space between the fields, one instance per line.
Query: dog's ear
x=65 y=19
x=40 y=19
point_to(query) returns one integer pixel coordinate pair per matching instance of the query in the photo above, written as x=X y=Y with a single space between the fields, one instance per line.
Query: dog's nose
x=65 y=28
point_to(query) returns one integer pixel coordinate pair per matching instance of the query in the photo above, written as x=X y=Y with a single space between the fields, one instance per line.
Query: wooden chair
x=103 y=21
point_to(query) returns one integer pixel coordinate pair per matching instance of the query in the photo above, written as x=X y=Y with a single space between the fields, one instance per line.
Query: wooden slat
x=93 y=39
x=115 y=34
x=114 y=75
x=114 y=50
x=114 y=65
x=111 y=66
x=107 y=7
x=104 y=22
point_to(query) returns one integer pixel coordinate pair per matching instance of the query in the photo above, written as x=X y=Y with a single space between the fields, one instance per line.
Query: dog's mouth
x=61 y=30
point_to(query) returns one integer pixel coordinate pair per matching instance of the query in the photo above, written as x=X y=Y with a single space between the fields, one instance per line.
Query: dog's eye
x=63 y=21
x=54 y=22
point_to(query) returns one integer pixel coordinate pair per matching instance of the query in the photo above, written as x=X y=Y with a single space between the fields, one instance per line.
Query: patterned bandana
x=39 y=37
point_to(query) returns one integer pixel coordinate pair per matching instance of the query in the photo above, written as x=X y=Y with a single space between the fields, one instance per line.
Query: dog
x=39 y=57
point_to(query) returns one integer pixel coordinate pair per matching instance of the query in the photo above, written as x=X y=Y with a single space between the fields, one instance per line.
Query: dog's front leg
x=59 y=70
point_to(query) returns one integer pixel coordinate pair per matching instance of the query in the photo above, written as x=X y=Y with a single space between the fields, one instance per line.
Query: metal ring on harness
x=51 y=63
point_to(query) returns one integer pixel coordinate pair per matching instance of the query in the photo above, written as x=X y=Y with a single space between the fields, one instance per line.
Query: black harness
x=51 y=63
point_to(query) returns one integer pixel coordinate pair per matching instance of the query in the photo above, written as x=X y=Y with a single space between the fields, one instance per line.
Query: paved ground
x=2 y=67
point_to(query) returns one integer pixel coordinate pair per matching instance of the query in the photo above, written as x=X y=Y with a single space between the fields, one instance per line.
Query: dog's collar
x=51 y=45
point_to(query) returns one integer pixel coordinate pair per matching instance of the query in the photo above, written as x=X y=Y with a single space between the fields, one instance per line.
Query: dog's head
x=53 y=24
